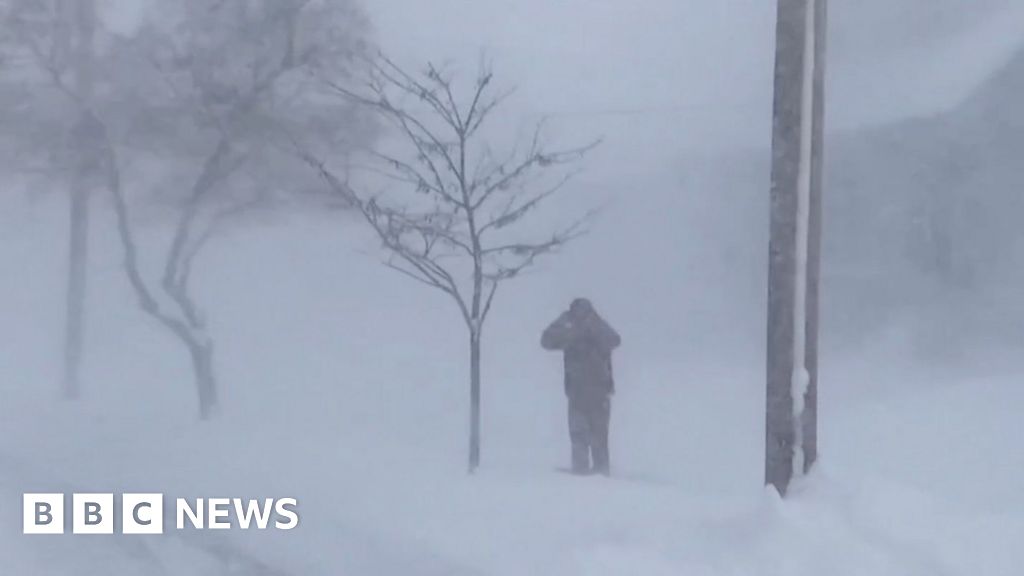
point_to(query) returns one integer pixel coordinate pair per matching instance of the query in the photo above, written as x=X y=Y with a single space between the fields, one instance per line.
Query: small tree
x=456 y=224
x=221 y=78
x=56 y=54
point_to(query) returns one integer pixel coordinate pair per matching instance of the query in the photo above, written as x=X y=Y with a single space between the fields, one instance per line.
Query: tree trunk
x=474 y=400
x=206 y=382
x=75 y=311
x=791 y=411
x=85 y=23
x=188 y=329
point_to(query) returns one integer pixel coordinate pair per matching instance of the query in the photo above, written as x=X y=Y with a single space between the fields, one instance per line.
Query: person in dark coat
x=587 y=342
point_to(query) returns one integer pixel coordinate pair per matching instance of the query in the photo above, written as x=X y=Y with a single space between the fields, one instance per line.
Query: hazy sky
x=663 y=78
x=695 y=73
x=704 y=67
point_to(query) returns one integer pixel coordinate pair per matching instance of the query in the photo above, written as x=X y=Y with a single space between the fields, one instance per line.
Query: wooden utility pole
x=791 y=446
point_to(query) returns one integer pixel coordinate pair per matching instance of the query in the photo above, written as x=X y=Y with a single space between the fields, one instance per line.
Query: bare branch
x=462 y=181
x=215 y=224
x=401 y=79
x=421 y=182
x=212 y=172
x=427 y=142
x=147 y=301
x=512 y=213
x=508 y=173
x=527 y=253
x=490 y=300
x=422 y=279
x=453 y=108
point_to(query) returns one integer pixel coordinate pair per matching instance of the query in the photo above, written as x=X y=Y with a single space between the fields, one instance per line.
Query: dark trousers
x=589 y=415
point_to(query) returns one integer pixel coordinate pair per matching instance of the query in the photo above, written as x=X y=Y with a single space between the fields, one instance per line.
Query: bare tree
x=232 y=74
x=85 y=30
x=57 y=39
x=456 y=226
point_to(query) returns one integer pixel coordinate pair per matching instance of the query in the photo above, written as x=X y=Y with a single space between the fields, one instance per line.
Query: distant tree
x=220 y=81
x=456 y=222
x=944 y=215
x=52 y=60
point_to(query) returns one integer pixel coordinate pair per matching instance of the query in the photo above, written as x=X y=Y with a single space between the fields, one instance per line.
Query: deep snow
x=345 y=387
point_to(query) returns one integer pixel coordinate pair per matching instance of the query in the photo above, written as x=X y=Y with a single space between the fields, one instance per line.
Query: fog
x=346 y=385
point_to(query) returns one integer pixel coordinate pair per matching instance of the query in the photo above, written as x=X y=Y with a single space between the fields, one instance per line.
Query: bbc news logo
x=144 y=513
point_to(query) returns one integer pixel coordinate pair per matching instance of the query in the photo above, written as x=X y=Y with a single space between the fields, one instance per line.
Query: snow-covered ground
x=345 y=386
